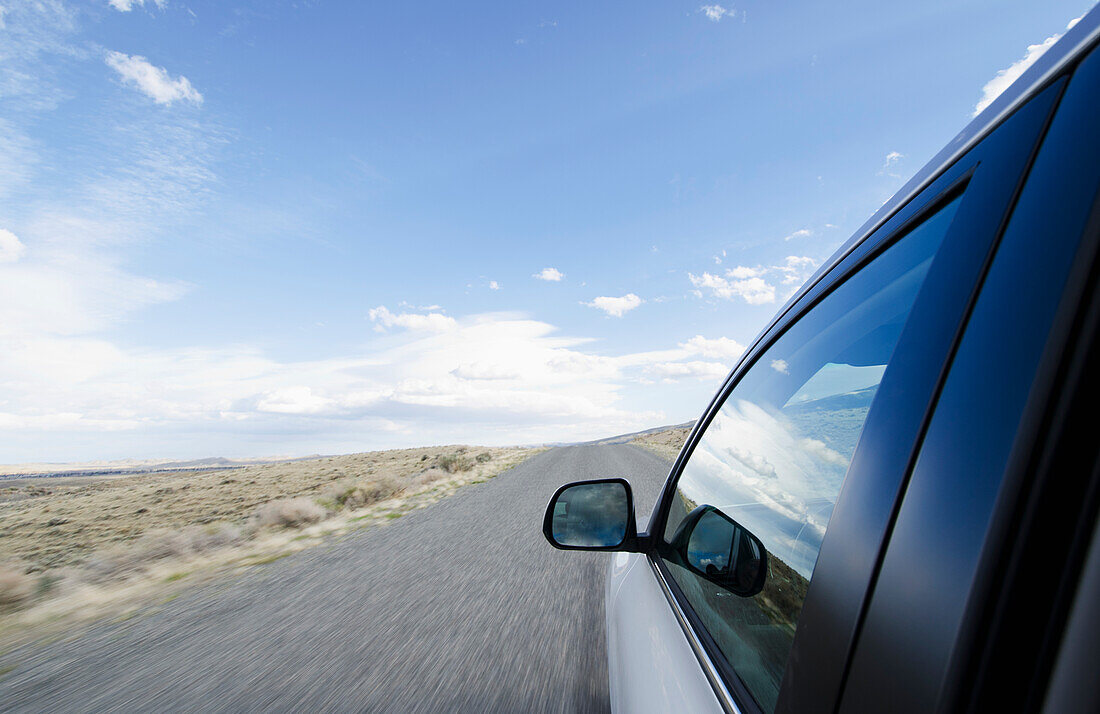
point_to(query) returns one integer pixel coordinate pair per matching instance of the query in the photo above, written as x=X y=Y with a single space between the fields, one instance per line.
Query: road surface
x=461 y=606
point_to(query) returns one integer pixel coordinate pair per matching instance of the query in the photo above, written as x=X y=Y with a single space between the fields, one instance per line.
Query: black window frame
x=988 y=177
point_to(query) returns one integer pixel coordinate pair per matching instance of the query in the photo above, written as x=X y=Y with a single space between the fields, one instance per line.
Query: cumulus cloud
x=715 y=13
x=152 y=81
x=781 y=366
x=795 y=270
x=616 y=306
x=11 y=248
x=800 y=233
x=716 y=348
x=432 y=321
x=1004 y=78
x=494 y=285
x=552 y=275
x=753 y=290
x=497 y=377
x=756 y=285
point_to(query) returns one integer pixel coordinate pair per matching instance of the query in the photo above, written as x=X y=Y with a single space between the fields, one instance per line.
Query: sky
x=285 y=228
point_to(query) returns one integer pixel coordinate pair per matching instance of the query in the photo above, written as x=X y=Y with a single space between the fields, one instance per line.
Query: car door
x=807 y=446
x=1003 y=494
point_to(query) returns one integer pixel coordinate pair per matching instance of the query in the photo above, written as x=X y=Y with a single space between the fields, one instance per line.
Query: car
x=891 y=502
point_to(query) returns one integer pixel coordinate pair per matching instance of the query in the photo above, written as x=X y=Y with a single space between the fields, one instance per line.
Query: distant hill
x=138 y=466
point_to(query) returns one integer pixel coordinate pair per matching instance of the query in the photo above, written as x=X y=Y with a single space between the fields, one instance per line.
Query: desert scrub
x=124 y=560
x=358 y=495
x=16 y=587
x=288 y=513
x=484 y=457
x=453 y=463
x=427 y=476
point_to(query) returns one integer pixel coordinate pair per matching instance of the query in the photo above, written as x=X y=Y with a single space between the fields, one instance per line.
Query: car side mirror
x=592 y=515
x=718 y=548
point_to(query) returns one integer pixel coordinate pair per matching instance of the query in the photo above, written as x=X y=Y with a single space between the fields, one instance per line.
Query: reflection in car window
x=774 y=457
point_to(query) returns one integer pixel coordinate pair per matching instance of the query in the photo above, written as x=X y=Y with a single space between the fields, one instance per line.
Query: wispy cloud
x=616 y=306
x=1004 y=78
x=800 y=233
x=128 y=5
x=552 y=275
x=494 y=285
x=152 y=81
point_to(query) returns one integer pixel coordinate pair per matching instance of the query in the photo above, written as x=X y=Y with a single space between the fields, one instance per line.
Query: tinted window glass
x=774 y=457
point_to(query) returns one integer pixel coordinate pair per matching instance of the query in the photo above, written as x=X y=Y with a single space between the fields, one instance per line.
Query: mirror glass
x=722 y=551
x=591 y=515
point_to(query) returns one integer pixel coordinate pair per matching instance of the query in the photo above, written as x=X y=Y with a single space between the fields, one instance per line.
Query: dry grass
x=65 y=524
x=102 y=540
x=16 y=587
x=666 y=443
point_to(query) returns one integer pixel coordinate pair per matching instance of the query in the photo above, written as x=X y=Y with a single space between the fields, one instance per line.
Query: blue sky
x=296 y=227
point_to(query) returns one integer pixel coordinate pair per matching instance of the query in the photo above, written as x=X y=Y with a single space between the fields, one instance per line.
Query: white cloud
x=616 y=306
x=693 y=369
x=293 y=400
x=128 y=5
x=11 y=248
x=494 y=285
x=756 y=286
x=752 y=290
x=796 y=270
x=154 y=82
x=550 y=274
x=892 y=158
x=800 y=233
x=742 y=272
x=717 y=348
x=715 y=12
x=432 y=321
x=781 y=366
x=1004 y=78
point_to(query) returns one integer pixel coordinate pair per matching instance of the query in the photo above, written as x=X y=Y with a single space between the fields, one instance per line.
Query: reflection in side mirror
x=721 y=550
x=591 y=515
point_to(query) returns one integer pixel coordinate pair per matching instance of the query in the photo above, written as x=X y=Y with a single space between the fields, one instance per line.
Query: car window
x=757 y=492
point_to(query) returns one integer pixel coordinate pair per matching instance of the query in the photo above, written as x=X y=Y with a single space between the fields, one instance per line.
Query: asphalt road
x=461 y=606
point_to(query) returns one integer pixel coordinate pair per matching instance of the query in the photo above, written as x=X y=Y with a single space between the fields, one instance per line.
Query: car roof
x=1067 y=50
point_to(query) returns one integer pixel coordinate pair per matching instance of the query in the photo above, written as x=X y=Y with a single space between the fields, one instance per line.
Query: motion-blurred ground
x=459 y=606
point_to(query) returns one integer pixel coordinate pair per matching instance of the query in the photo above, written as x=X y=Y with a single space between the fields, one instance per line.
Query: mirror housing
x=592 y=515
x=721 y=550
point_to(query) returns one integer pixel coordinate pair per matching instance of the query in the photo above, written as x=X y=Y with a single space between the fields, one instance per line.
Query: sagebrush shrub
x=453 y=463
x=288 y=513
